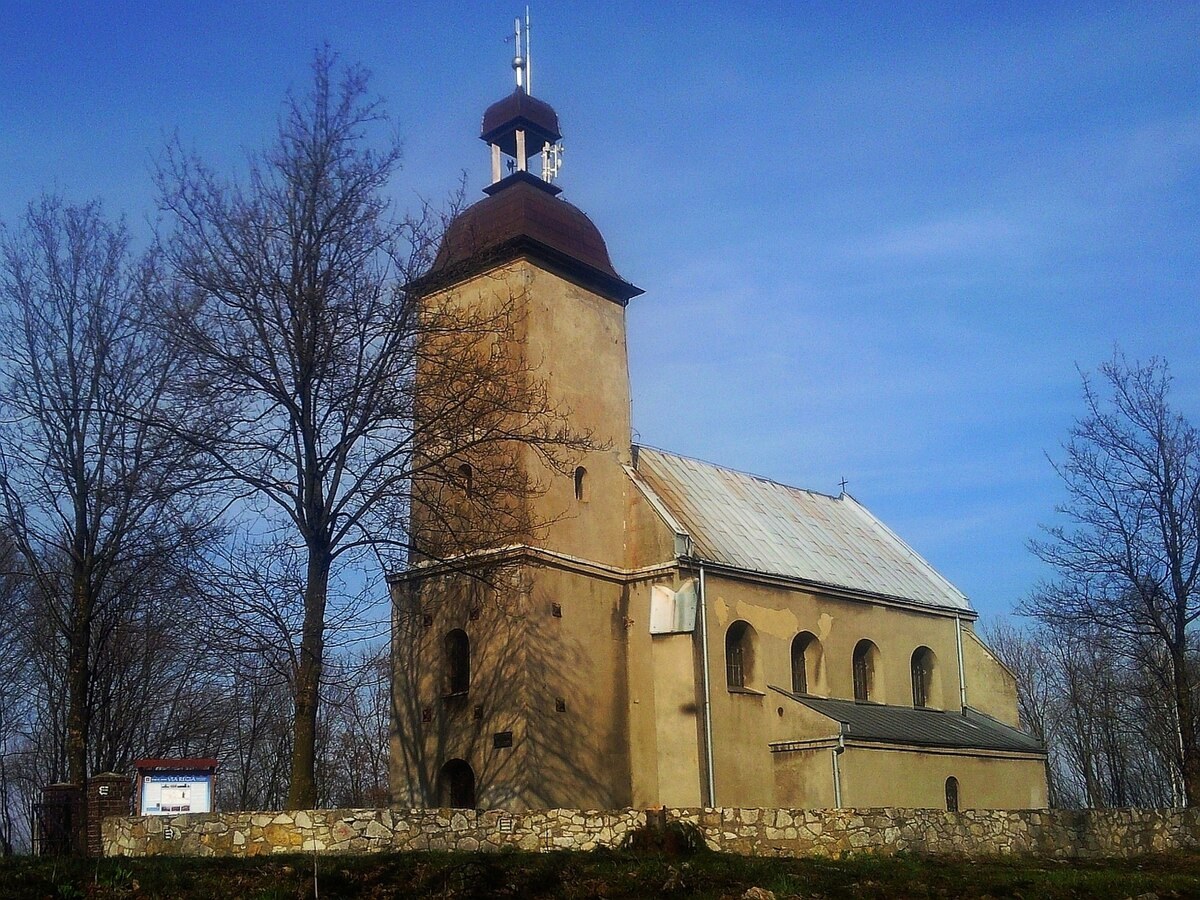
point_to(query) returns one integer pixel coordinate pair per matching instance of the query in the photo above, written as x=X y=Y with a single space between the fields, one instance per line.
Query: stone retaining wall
x=979 y=832
x=366 y=831
x=753 y=832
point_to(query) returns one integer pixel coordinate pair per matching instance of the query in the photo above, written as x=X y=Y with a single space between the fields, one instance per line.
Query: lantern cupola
x=520 y=127
x=523 y=215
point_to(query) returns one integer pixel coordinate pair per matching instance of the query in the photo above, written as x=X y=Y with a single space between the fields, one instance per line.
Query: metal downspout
x=962 y=680
x=707 y=705
x=837 y=768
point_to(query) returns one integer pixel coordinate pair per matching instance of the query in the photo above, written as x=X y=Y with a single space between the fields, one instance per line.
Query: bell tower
x=524 y=244
x=508 y=687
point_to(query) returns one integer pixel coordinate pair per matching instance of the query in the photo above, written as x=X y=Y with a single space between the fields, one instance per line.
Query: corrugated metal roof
x=923 y=727
x=750 y=523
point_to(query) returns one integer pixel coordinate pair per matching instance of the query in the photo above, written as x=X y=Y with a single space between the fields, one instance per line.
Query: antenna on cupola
x=518 y=60
x=522 y=64
x=528 y=54
x=520 y=126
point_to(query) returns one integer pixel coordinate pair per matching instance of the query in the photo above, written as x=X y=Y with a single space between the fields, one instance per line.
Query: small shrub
x=119 y=876
x=669 y=839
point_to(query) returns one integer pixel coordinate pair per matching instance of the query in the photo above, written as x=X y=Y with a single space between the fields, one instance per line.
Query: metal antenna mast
x=528 y=56
x=522 y=64
x=518 y=60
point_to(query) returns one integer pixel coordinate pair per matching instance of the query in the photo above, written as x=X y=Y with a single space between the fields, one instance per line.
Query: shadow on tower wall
x=526 y=725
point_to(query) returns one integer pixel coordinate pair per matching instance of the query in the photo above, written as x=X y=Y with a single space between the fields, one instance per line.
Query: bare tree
x=300 y=337
x=357 y=716
x=93 y=497
x=1101 y=715
x=1128 y=558
x=15 y=699
x=257 y=747
x=1027 y=658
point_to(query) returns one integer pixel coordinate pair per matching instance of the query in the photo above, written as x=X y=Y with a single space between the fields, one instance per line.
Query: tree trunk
x=1187 y=729
x=1052 y=799
x=303 y=791
x=78 y=641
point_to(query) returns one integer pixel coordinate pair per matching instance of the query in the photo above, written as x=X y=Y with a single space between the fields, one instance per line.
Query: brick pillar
x=62 y=822
x=108 y=794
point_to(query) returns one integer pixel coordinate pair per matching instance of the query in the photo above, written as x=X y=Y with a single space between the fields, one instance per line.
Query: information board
x=173 y=793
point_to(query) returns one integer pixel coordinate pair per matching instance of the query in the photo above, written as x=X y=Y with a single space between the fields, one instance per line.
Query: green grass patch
x=609 y=874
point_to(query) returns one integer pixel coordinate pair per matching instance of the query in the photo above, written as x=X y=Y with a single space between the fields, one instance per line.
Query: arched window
x=866 y=656
x=952 y=794
x=922 y=676
x=456 y=785
x=466 y=478
x=739 y=655
x=806 y=657
x=581 y=484
x=458 y=662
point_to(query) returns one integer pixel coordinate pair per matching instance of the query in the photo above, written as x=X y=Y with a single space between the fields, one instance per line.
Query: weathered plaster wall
x=753 y=832
x=898 y=777
x=778 y=614
x=546 y=666
x=991 y=687
x=579 y=754
x=744 y=721
x=806 y=774
x=576 y=345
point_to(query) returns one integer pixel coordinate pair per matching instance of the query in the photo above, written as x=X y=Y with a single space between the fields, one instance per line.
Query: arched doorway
x=456 y=785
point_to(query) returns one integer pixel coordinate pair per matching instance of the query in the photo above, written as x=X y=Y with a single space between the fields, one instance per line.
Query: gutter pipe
x=962 y=680
x=837 y=769
x=707 y=705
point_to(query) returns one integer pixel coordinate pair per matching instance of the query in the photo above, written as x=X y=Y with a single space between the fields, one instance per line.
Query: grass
x=599 y=874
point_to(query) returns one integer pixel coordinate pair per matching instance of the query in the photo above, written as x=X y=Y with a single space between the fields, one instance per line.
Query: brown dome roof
x=519 y=110
x=524 y=217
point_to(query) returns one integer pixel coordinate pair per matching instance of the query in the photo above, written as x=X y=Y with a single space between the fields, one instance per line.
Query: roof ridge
x=754 y=475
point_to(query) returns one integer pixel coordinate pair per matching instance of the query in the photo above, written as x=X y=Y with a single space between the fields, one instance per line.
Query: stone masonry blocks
x=1076 y=834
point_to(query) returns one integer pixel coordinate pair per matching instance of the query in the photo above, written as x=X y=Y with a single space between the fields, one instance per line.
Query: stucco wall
x=991 y=687
x=804 y=777
x=754 y=832
x=556 y=636
x=778 y=614
x=746 y=721
x=581 y=753
x=906 y=778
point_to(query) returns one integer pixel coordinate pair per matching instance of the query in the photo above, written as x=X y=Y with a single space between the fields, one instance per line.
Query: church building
x=669 y=632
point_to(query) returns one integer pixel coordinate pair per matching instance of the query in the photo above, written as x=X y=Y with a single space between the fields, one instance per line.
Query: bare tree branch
x=1128 y=558
x=301 y=344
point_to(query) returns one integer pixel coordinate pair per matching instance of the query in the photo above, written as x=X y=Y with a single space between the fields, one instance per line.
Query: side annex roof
x=877 y=723
x=755 y=525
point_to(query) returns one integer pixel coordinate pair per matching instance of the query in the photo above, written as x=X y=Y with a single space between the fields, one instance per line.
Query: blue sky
x=876 y=241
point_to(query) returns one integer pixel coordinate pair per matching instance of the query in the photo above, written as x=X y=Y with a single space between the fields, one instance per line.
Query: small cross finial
x=843 y=483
